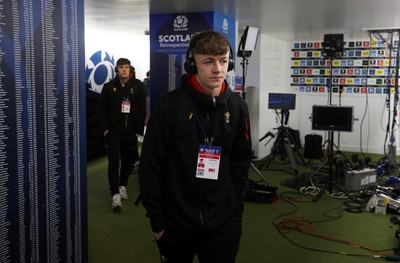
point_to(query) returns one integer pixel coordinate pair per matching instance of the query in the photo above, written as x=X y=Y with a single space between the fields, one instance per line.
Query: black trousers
x=219 y=246
x=121 y=151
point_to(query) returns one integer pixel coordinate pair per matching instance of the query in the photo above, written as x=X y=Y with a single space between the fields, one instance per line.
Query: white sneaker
x=116 y=202
x=123 y=193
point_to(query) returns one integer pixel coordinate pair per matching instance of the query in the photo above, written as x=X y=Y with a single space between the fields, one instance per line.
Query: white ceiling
x=284 y=19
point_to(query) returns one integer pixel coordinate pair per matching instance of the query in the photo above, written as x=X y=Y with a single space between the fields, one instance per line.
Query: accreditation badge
x=208 y=161
x=126 y=106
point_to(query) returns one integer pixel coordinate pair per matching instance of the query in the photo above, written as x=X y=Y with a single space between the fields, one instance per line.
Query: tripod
x=331 y=183
x=245 y=62
x=283 y=146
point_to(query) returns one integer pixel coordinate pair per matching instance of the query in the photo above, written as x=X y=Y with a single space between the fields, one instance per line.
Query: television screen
x=282 y=101
x=332 y=118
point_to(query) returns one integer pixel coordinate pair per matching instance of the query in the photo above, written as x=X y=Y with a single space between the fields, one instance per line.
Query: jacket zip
x=201 y=209
x=201 y=217
x=125 y=98
x=207 y=125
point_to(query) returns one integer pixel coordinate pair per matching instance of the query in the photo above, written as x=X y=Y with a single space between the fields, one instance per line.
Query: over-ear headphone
x=190 y=63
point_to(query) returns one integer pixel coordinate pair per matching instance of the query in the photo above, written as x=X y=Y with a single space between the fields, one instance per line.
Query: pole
x=244 y=66
x=330 y=133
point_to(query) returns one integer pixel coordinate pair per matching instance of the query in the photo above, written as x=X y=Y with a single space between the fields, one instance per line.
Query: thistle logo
x=99 y=70
x=225 y=25
x=180 y=23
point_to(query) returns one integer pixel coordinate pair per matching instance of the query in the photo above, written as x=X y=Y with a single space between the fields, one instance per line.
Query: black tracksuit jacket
x=170 y=191
x=110 y=105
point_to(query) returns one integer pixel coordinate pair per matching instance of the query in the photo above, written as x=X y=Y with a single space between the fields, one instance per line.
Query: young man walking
x=123 y=110
x=197 y=209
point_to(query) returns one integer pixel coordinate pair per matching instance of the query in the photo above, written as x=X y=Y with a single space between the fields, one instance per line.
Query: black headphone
x=190 y=63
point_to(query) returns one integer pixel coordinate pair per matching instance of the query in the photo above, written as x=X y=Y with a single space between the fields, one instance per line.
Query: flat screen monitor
x=332 y=118
x=282 y=101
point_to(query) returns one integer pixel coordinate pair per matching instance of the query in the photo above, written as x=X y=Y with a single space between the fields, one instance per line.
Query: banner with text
x=43 y=214
x=169 y=40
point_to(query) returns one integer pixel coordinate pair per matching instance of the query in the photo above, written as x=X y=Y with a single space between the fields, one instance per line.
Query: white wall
x=274 y=62
x=126 y=44
x=269 y=71
x=369 y=126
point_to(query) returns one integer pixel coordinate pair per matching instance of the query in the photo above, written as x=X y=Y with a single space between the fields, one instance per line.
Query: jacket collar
x=198 y=94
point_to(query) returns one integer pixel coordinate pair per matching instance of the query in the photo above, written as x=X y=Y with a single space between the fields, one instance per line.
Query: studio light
x=247 y=44
x=248 y=41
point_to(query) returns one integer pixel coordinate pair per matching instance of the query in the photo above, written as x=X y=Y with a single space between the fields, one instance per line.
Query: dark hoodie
x=110 y=106
x=170 y=191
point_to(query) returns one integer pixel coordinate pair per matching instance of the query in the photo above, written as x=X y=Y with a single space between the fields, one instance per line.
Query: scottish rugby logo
x=99 y=70
x=181 y=22
x=225 y=25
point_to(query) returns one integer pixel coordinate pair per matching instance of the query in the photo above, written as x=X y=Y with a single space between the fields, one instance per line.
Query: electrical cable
x=366 y=108
x=287 y=222
x=354 y=206
x=390 y=41
x=396 y=95
x=314 y=189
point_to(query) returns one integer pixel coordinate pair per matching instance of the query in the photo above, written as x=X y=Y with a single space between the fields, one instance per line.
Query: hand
x=105 y=133
x=158 y=235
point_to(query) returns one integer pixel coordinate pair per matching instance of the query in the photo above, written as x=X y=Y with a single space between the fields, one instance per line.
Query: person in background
x=123 y=110
x=197 y=210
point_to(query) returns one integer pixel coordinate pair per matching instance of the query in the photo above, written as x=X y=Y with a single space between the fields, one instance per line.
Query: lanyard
x=208 y=141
